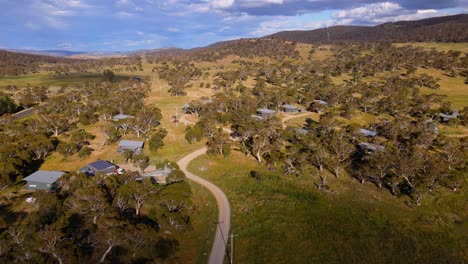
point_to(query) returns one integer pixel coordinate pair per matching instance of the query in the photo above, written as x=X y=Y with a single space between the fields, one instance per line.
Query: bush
x=85 y=152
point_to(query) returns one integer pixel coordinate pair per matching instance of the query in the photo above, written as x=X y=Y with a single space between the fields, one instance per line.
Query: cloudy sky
x=122 y=25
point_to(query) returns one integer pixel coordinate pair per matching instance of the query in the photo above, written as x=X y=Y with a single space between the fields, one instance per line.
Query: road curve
x=224 y=210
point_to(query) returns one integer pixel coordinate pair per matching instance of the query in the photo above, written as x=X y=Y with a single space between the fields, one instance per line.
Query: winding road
x=224 y=210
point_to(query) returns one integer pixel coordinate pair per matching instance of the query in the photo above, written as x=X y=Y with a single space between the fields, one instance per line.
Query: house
x=43 y=180
x=367 y=133
x=133 y=145
x=371 y=147
x=446 y=117
x=121 y=117
x=290 y=108
x=318 y=106
x=99 y=167
x=266 y=113
x=159 y=175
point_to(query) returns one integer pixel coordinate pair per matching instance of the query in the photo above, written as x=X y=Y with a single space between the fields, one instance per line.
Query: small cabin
x=266 y=113
x=368 y=147
x=367 y=133
x=121 y=117
x=99 y=167
x=133 y=145
x=289 y=108
x=159 y=175
x=446 y=117
x=43 y=180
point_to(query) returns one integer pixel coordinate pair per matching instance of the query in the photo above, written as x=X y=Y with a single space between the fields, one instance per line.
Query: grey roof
x=257 y=117
x=447 y=117
x=321 y=102
x=101 y=165
x=121 y=117
x=367 y=133
x=131 y=144
x=159 y=172
x=288 y=106
x=266 y=111
x=45 y=176
x=371 y=147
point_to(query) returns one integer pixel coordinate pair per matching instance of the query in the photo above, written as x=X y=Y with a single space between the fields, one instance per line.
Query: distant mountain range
x=436 y=29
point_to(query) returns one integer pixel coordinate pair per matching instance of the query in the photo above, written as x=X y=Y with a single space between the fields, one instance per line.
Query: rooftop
x=121 y=117
x=45 y=176
x=321 y=102
x=101 y=165
x=288 y=106
x=367 y=133
x=131 y=143
x=265 y=111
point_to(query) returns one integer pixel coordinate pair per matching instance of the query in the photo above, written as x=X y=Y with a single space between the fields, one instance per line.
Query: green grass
x=47 y=79
x=463 y=47
x=283 y=219
x=454 y=88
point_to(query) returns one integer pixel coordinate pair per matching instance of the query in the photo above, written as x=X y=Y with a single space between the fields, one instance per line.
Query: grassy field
x=454 y=88
x=463 y=47
x=47 y=79
x=281 y=219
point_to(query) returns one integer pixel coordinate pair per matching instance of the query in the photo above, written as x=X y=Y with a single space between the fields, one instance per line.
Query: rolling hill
x=437 y=29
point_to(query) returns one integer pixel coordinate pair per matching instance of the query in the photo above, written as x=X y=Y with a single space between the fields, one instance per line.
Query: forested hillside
x=439 y=29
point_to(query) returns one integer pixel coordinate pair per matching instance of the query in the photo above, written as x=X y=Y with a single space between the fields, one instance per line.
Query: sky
x=125 y=25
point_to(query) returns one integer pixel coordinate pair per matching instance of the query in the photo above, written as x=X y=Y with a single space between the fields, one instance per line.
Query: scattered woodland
x=438 y=29
x=373 y=118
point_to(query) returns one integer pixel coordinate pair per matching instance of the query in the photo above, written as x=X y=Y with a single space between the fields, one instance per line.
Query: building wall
x=31 y=185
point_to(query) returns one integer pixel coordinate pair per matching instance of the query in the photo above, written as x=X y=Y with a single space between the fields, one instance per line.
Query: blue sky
x=123 y=25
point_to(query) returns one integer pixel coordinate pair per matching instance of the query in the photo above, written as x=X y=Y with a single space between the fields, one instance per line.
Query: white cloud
x=65 y=45
x=370 y=11
x=260 y=3
x=282 y=23
x=221 y=4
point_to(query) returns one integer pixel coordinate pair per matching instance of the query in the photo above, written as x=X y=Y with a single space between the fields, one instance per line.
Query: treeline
x=15 y=64
x=439 y=29
x=244 y=48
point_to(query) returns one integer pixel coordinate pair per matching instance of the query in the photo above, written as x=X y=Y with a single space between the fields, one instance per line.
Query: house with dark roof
x=266 y=113
x=99 y=167
x=133 y=145
x=287 y=108
x=43 y=180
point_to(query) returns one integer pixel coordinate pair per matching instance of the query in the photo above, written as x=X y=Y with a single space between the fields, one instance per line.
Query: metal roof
x=367 y=133
x=288 y=106
x=266 y=111
x=321 y=102
x=101 y=165
x=131 y=144
x=371 y=147
x=45 y=176
x=121 y=117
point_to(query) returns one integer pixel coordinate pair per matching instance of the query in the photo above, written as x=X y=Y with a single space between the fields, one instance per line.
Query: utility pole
x=328 y=36
x=232 y=246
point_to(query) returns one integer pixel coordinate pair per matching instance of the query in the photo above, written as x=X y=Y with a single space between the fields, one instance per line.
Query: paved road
x=224 y=210
x=23 y=113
